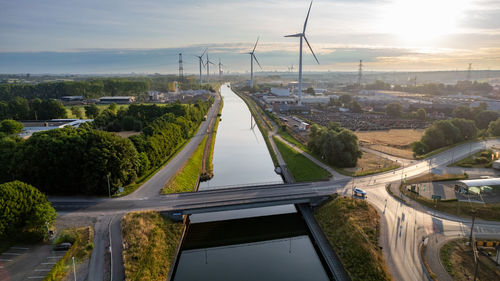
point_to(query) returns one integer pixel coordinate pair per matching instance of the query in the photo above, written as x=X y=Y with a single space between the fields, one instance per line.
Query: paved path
x=405 y=161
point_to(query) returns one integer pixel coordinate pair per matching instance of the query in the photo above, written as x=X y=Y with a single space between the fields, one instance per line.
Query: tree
x=10 y=127
x=345 y=99
x=310 y=91
x=484 y=118
x=463 y=112
x=77 y=112
x=91 y=111
x=394 y=109
x=421 y=114
x=355 y=107
x=337 y=145
x=19 y=108
x=494 y=128
x=467 y=128
x=24 y=209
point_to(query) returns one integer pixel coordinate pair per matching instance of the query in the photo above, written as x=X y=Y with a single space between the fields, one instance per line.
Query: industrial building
x=117 y=100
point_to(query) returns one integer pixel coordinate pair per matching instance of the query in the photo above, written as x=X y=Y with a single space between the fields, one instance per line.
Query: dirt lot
x=393 y=142
x=370 y=163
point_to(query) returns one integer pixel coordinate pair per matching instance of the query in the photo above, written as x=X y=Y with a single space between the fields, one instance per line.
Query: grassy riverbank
x=302 y=169
x=150 y=243
x=353 y=228
x=82 y=245
x=187 y=177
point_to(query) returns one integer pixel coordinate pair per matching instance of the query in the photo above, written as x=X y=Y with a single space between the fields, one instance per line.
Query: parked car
x=62 y=246
x=359 y=192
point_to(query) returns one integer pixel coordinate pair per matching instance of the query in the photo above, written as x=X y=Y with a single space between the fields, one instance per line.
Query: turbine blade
x=255 y=44
x=294 y=35
x=305 y=38
x=307 y=18
x=204 y=52
x=256 y=60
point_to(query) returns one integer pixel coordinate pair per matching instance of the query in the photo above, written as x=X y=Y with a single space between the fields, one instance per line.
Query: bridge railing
x=244 y=185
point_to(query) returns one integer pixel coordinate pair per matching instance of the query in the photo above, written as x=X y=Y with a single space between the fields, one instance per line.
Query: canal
x=271 y=243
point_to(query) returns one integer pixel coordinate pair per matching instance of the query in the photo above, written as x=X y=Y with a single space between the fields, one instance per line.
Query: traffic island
x=150 y=243
x=352 y=227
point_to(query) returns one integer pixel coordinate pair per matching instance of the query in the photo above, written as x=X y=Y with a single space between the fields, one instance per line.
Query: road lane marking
x=48 y=263
x=5 y=260
x=11 y=254
x=42 y=269
x=55 y=257
x=19 y=248
x=36 y=277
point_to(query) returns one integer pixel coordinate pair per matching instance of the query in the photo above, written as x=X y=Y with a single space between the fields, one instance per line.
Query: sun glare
x=420 y=22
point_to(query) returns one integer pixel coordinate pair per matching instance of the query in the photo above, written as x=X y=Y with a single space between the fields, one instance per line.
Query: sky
x=124 y=36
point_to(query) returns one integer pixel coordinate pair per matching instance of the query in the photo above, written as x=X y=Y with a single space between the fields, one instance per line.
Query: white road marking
x=48 y=263
x=5 y=260
x=19 y=248
x=36 y=277
x=55 y=257
x=42 y=269
x=11 y=254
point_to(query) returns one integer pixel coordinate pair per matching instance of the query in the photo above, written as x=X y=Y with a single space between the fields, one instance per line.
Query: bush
x=9 y=127
x=482 y=160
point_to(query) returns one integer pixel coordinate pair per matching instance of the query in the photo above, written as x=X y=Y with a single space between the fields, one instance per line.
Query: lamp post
x=74 y=268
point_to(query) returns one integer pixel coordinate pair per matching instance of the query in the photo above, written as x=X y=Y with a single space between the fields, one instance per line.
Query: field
x=302 y=169
x=370 y=164
x=82 y=109
x=352 y=227
x=393 y=142
x=150 y=243
x=458 y=260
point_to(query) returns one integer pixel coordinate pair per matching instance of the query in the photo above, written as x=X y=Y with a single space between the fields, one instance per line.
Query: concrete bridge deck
x=214 y=200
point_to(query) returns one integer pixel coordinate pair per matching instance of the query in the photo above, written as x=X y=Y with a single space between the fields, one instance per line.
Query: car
x=359 y=192
x=62 y=246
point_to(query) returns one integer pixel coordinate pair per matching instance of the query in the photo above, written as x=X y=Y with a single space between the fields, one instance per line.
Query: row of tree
x=445 y=132
x=24 y=210
x=337 y=145
x=434 y=88
x=81 y=161
x=480 y=114
x=89 y=89
x=19 y=108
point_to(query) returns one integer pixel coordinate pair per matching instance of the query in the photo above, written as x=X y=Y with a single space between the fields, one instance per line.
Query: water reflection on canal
x=269 y=243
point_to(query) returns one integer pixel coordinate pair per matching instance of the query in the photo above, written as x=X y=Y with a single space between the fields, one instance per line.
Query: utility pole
x=181 y=68
x=360 y=72
x=469 y=72
x=472 y=227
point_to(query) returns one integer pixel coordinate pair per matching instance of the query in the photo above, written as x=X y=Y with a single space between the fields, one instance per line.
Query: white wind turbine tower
x=303 y=36
x=253 y=57
x=200 y=58
x=220 y=68
x=208 y=68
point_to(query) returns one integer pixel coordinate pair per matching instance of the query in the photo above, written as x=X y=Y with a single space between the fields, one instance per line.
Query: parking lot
x=28 y=262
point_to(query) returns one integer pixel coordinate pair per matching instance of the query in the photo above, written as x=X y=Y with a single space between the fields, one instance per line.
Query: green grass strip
x=302 y=169
x=187 y=177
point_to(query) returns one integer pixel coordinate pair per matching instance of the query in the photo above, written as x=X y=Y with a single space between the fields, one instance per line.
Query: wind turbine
x=200 y=58
x=208 y=68
x=220 y=68
x=252 y=57
x=303 y=36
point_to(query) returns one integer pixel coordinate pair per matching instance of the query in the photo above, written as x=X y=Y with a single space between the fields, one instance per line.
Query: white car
x=359 y=192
